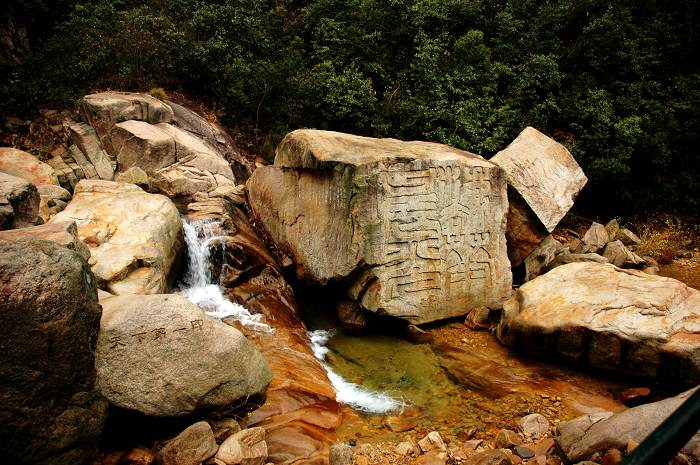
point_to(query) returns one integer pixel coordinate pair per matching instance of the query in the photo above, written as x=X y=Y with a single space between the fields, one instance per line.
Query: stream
x=461 y=381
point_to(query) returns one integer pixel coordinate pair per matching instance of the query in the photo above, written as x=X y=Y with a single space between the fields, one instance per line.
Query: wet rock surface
x=300 y=415
x=418 y=228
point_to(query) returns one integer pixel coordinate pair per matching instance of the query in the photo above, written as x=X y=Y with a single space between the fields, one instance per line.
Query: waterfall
x=352 y=394
x=198 y=286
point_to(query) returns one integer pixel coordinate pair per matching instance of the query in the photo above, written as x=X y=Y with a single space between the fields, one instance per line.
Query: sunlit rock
x=608 y=318
x=545 y=179
x=133 y=236
x=163 y=356
x=418 y=228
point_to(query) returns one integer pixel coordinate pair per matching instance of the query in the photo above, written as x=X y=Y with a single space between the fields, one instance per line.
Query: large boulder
x=103 y=110
x=581 y=437
x=49 y=315
x=26 y=166
x=545 y=179
x=19 y=203
x=608 y=318
x=163 y=356
x=418 y=228
x=134 y=237
x=65 y=234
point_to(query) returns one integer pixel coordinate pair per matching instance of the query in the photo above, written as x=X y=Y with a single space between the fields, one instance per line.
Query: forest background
x=617 y=82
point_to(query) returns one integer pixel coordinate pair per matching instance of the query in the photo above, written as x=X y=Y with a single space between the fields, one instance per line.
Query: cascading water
x=354 y=395
x=198 y=288
x=197 y=284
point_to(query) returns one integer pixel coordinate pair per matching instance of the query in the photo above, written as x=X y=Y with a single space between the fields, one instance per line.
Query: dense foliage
x=617 y=81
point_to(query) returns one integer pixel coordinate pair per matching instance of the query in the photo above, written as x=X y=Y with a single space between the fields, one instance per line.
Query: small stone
x=468 y=433
x=400 y=424
x=533 y=424
x=406 y=448
x=543 y=447
x=634 y=396
x=596 y=237
x=417 y=335
x=679 y=459
x=361 y=460
x=138 y=456
x=523 y=452
x=489 y=457
x=506 y=439
x=433 y=441
x=611 y=457
x=473 y=444
x=631 y=446
x=538 y=460
x=247 y=447
x=340 y=454
x=224 y=428
x=191 y=447
x=627 y=237
x=432 y=458
x=478 y=318
x=612 y=227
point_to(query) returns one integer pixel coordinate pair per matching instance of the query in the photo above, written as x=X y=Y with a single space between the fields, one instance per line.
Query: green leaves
x=618 y=82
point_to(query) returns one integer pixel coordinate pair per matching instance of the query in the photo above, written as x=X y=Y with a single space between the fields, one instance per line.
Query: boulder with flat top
x=415 y=230
x=608 y=318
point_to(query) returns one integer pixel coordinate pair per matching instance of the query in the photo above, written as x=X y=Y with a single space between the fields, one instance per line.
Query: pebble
x=138 y=456
x=340 y=454
x=533 y=424
x=506 y=439
x=611 y=457
x=523 y=452
x=432 y=441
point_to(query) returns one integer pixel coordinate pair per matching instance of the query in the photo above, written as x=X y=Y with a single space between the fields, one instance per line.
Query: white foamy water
x=354 y=395
x=198 y=287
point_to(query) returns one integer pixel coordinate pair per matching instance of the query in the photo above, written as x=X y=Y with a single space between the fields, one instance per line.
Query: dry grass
x=662 y=238
x=159 y=93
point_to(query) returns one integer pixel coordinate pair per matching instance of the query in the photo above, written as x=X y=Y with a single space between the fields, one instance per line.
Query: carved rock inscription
x=443 y=248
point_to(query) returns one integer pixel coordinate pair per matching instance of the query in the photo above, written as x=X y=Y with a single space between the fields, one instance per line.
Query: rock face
x=178 y=163
x=579 y=438
x=133 y=236
x=418 y=227
x=103 y=110
x=50 y=316
x=26 y=166
x=163 y=356
x=181 y=152
x=65 y=234
x=608 y=318
x=546 y=178
x=19 y=203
